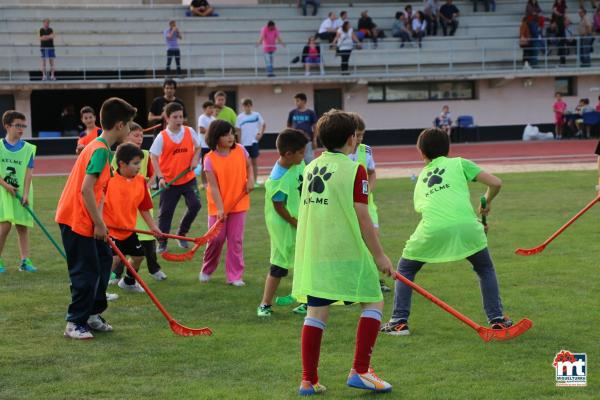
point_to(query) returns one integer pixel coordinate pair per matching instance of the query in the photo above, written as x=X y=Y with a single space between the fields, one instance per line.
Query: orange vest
x=87 y=139
x=123 y=197
x=232 y=177
x=177 y=157
x=71 y=209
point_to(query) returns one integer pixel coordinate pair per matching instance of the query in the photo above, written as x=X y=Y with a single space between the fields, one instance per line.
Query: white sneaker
x=159 y=275
x=113 y=281
x=526 y=65
x=97 y=323
x=135 y=288
x=77 y=331
x=368 y=381
x=203 y=277
x=111 y=296
x=238 y=283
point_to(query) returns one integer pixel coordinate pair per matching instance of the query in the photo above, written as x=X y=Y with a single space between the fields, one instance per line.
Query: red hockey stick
x=487 y=334
x=201 y=239
x=541 y=247
x=175 y=326
x=151 y=128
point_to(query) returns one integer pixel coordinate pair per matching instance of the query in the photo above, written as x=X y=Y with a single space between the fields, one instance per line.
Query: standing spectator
x=551 y=37
x=223 y=112
x=585 y=39
x=419 y=27
x=399 y=28
x=304 y=119
x=431 y=9
x=536 y=42
x=47 y=49
x=311 y=55
x=597 y=20
x=315 y=5
x=329 y=27
x=367 y=28
x=250 y=128
x=449 y=17
x=532 y=9
x=559 y=9
x=525 y=44
x=157 y=108
x=444 y=121
x=344 y=41
x=201 y=8
x=559 y=107
x=269 y=37
x=172 y=36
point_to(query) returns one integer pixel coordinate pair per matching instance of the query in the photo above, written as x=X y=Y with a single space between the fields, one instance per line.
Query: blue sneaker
x=308 y=389
x=27 y=266
x=2 y=268
x=368 y=381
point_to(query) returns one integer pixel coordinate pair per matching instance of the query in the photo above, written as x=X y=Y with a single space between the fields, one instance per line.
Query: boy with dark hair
x=250 y=128
x=338 y=262
x=157 y=108
x=282 y=200
x=127 y=194
x=449 y=229
x=81 y=225
x=16 y=169
x=174 y=150
x=304 y=119
x=88 y=118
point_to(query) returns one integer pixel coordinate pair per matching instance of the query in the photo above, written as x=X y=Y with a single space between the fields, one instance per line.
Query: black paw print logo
x=316 y=179
x=434 y=178
x=300 y=181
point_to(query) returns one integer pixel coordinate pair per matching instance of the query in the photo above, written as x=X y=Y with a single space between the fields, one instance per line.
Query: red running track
x=568 y=151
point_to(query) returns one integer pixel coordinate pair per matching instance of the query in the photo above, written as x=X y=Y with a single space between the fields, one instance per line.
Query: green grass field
x=248 y=358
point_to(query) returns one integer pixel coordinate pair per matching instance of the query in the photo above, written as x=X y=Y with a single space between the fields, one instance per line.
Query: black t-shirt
x=366 y=23
x=158 y=105
x=199 y=3
x=46 y=43
x=447 y=10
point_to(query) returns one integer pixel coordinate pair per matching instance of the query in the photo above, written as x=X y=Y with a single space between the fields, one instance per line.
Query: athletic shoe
x=501 y=323
x=184 y=244
x=2 y=267
x=308 y=389
x=161 y=248
x=78 y=331
x=301 y=309
x=395 y=328
x=203 y=277
x=135 y=288
x=111 y=296
x=159 y=275
x=97 y=323
x=27 y=266
x=238 y=283
x=114 y=279
x=368 y=381
x=285 y=300
x=384 y=287
x=264 y=311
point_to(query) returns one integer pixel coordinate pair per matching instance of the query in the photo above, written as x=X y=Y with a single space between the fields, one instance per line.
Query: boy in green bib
x=449 y=229
x=338 y=253
x=16 y=172
x=282 y=200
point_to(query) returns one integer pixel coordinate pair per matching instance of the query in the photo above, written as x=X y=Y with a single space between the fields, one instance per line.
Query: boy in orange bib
x=88 y=118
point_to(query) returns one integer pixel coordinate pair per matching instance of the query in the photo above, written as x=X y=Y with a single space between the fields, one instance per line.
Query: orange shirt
x=71 y=209
x=232 y=177
x=124 y=197
x=175 y=158
x=87 y=139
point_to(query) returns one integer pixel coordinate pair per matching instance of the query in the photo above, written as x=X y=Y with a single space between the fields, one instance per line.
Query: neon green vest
x=332 y=261
x=282 y=234
x=361 y=157
x=13 y=168
x=449 y=229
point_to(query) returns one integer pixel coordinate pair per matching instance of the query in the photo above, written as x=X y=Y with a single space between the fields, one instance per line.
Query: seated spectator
x=431 y=8
x=367 y=28
x=419 y=27
x=343 y=17
x=315 y=5
x=329 y=27
x=597 y=20
x=201 y=8
x=444 y=121
x=586 y=40
x=551 y=37
x=585 y=107
x=311 y=55
x=449 y=17
x=399 y=29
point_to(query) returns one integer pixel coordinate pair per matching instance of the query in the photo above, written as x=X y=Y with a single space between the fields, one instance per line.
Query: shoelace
x=83 y=328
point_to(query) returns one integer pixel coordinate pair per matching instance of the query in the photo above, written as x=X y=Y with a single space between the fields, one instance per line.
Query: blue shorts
x=319 y=302
x=47 y=52
x=252 y=150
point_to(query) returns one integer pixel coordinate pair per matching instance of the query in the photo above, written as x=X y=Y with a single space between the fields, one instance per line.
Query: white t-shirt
x=345 y=41
x=157 y=145
x=370 y=161
x=203 y=122
x=250 y=125
x=329 y=24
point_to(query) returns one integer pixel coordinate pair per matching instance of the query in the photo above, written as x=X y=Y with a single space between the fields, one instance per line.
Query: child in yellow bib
x=338 y=253
x=16 y=169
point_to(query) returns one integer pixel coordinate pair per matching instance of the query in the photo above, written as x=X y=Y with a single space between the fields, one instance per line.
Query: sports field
x=248 y=358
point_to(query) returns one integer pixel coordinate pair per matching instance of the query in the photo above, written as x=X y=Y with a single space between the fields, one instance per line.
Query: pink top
x=598 y=107
x=312 y=51
x=269 y=39
x=559 y=108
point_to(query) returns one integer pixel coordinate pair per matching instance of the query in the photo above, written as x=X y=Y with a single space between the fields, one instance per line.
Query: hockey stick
x=541 y=247
x=166 y=235
x=151 y=128
x=175 y=326
x=181 y=174
x=487 y=334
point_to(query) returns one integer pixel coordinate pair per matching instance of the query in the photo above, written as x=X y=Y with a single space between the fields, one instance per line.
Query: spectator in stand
x=47 y=49
x=399 y=29
x=157 y=107
x=486 y=5
x=201 y=8
x=533 y=9
x=343 y=17
x=525 y=43
x=222 y=111
x=311 y=55
x=559 y=9
x=419 y=27
x=367 y=28
x=551 y=37
x=315 y=5
x=449 y=17
x=559 y=107
x=597 y=20
x=329 y=27
x=444 y=121
x=408 y=14
x=431 y=8
x=536 y=41
x=172 y=36
x=304 y=119
x=344 y=41
x=586 y=40
x=592 y=4
x=269 y=37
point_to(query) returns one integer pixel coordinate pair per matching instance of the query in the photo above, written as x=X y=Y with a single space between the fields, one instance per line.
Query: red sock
x=366 y=335
x=311 y=349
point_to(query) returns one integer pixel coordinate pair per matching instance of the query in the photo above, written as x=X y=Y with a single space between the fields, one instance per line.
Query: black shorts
x=130 y=246
x=252 y=150
x=278 y=272
x=320 y=302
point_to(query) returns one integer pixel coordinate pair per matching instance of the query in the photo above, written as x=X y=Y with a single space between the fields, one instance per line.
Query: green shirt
x=13 y=167
x=99 y=159
x=449 y=229
x=227 y=114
